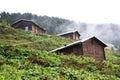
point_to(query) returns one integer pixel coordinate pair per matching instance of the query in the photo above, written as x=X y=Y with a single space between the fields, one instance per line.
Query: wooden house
x=28 y=25
x=71 y=35
x=91 y=47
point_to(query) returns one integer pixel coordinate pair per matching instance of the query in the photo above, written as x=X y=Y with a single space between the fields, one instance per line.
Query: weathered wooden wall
x=76 y=49
x=76 y=37
x=32 y=27
x=93 y=48
x=70 y=35
x=37 y=30
x=22 y=25
x=73 y=36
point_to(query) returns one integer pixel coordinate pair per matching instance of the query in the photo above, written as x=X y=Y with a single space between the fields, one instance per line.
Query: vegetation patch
x=26 y=56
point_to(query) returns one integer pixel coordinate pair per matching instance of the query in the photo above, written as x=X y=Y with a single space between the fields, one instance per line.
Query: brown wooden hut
x=91 y=47
x=71 y=35
x=28 y=26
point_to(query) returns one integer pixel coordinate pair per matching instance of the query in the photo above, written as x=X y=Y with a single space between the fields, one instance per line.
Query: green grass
x=20 y=38
x=113 y=57
x=25 y=56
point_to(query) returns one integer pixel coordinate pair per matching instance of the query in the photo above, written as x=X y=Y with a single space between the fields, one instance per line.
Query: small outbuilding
x=28 y=25
x=91 y=47
x=71 y=35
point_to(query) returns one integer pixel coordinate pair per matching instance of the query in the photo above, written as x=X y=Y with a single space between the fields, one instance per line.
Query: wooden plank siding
x=36 y=30
x=76 y=49
x=74 y=35
x=22 y=24
x=91 y=47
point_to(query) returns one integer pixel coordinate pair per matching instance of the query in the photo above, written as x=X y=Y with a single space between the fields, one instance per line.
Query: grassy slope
x=24 y=56
x=113 y=57
x=20 y=38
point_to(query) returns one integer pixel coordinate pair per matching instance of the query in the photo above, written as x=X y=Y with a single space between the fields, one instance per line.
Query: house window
x=26 y=28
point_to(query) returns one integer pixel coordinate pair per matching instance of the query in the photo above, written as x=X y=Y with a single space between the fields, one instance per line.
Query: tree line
x=48 y=23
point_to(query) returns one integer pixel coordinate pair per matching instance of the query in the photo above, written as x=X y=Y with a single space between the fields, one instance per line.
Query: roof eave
x=13 y=25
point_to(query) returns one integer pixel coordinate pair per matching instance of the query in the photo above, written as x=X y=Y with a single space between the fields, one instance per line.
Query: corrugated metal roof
x=68 y=33
x=77 y=42
x=66 y=46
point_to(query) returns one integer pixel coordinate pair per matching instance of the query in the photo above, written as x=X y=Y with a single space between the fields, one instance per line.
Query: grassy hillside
x=25 y=56
x=23 y=39
x=113 y=57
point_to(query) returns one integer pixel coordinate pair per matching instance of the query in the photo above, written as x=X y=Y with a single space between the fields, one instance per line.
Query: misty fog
x=109 y=33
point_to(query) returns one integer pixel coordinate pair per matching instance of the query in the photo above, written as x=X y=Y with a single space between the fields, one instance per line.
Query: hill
x=50 y=24
x=109 y=33
x=26 y=56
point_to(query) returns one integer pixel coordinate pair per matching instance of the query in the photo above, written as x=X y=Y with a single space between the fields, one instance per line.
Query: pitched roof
x=78 y=42
x=69 y=33
x=27 y=21
x=93 y=37
x=74 y=43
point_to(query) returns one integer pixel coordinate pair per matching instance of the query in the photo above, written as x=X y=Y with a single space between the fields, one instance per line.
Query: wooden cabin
x=71 y=35
x=28 y=25
x=91 y=47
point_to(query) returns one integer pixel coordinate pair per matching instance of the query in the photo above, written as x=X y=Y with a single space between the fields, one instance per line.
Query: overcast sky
x=90 y=11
